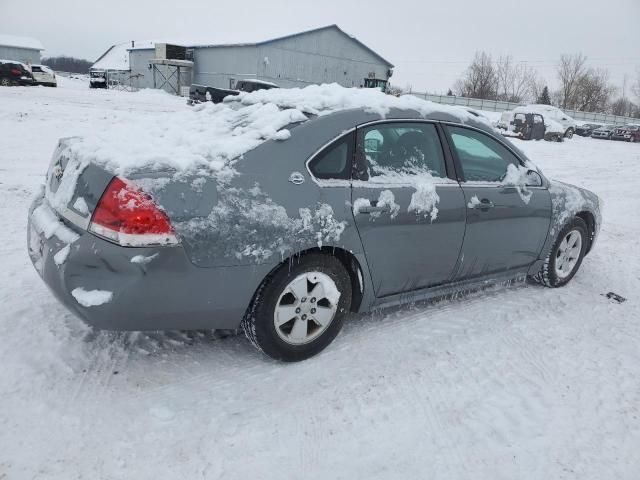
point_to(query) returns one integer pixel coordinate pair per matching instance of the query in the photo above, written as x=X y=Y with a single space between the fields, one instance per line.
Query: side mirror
x=534 y=179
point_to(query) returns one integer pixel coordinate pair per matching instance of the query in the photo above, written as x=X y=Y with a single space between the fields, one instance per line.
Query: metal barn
x=20 y=49
x=322 y=55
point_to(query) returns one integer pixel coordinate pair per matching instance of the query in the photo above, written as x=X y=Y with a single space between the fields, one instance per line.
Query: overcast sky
x=430 y=43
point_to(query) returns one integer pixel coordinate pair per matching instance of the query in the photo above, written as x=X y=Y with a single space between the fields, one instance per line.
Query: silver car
x=350 y=211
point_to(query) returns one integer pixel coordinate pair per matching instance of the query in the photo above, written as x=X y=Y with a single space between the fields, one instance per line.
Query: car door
x=507 y=224
x=410 y=216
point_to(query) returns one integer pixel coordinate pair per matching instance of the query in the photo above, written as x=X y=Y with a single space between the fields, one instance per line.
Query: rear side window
x=36 y=69
x=335 y=160
x=482 y=158
x=405 y=148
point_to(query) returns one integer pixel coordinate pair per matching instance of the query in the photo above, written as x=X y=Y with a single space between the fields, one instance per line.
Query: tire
x=568 y=133
x=632 y=139
x=550 y=275
x=5 y=82
x=282 y=325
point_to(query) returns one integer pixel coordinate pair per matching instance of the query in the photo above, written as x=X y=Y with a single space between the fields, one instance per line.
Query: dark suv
x=628 y=133
x=14 y=73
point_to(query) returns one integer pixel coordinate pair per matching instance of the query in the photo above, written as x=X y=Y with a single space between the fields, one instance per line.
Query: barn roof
x=20 y=42
x=149 y=45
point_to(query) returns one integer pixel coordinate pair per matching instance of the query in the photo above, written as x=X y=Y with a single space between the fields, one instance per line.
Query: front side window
x=482 y=158
x=408 y=148
x=334 y=162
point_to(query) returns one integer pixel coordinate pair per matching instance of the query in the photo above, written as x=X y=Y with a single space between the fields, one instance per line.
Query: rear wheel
x=5 y=82
x=569 y=133
x=566 y=255
x=300 y=309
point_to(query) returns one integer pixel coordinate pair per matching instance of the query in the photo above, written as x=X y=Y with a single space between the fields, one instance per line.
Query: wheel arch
x=348 y=260
x=590 y=220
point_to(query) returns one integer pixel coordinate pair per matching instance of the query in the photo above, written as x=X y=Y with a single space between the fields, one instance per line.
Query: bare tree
x=480 y=80
x=537 y=88
x=515 y=80
x=622 y=107
x=593 y=91
x=570 y=70
x=636 y=85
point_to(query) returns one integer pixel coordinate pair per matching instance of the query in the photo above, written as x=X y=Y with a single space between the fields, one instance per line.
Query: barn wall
x=142 y=75
x=323 y=56
x=24 y=55
x=218 y=66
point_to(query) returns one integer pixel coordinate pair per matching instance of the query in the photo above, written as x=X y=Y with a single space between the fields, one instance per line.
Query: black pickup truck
x=202 y=93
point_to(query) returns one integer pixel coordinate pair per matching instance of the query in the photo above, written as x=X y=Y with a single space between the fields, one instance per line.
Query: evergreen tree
x=450 y=93
x=544 y=97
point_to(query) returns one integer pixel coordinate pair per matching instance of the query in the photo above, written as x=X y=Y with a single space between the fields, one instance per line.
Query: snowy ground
x=521 y=382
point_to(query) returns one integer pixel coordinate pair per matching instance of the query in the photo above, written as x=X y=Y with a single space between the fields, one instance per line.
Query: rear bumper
x=163 y=292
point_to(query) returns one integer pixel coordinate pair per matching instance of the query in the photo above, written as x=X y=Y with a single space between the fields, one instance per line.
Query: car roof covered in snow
x=214 y=136
x=20 y=42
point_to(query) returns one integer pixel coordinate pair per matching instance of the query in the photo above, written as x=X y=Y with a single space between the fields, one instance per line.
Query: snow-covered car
x=14 y=73
x=551 y=113
x=628 y=133
x=281 y=211
x=605 y=131
x=43 y=75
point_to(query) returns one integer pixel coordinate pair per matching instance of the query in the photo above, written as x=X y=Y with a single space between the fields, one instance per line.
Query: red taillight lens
x=15 y=71
x=128 y=216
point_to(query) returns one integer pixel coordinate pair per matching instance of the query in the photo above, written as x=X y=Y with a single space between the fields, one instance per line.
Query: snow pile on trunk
x=213 y=136
x=91 y=298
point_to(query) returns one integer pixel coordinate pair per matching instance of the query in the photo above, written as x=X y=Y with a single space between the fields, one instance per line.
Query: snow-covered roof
x=20 y=42
x=214 y=135
x=115 y=58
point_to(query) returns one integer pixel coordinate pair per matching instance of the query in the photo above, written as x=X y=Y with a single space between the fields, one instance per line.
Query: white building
x=20 y=49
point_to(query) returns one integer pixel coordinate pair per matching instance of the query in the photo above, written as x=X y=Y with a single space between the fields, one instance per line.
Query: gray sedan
x=350 y=211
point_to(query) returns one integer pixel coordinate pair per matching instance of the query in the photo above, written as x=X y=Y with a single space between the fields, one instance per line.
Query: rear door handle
x=374 y=209
x=484 y=204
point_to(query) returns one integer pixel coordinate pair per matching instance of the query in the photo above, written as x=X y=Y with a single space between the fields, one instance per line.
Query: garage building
x=20 y=49
x=322 y=55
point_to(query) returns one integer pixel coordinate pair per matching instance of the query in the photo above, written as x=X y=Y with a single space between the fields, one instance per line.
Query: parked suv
x=43 y=75
x=14 y=73
x=604 y=132
x=628 y=133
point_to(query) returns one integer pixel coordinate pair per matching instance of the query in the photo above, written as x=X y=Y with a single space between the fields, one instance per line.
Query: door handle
x=374 y=209
x=485 y=204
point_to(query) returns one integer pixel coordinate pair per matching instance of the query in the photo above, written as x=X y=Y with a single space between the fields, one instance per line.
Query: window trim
x=333 y=182
x=458 y=166
x=358 y=156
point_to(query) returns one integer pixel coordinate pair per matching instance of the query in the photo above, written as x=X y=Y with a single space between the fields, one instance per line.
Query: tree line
x=67 y=64
x=581 y=87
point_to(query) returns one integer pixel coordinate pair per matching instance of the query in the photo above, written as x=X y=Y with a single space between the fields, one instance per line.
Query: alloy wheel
x=306 y=307
x=568 y=254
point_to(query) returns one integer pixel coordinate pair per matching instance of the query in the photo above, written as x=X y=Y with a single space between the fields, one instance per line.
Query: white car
x=43 y=75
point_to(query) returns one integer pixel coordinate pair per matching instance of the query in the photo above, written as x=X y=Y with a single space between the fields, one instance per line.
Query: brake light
x=15 y=71
x=128 y=216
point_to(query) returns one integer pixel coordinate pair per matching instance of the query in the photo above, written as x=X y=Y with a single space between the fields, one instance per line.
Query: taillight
x=15 y=71
x=128 y=216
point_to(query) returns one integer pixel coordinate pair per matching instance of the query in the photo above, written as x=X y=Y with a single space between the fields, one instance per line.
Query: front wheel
x=566 y=255
x=300 y=309
x=569 y=133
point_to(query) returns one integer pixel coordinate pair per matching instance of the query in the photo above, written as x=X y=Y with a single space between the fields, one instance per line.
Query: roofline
x=276 y=39
x=22 y=47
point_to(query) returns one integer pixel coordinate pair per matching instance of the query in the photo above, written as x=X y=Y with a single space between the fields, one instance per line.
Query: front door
x=410 y=216
x=507 y=220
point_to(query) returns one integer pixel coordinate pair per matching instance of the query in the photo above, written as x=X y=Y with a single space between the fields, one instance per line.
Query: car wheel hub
x=306 y=307
x=568 y=254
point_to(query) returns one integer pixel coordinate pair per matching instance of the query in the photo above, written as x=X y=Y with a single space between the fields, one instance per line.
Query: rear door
x=410 y=216
x=506 y=224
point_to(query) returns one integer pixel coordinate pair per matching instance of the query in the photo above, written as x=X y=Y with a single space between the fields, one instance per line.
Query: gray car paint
x=207 y=282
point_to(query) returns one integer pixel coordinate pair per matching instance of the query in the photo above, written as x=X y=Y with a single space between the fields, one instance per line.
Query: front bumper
x=163 y=292
x=623 y=138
